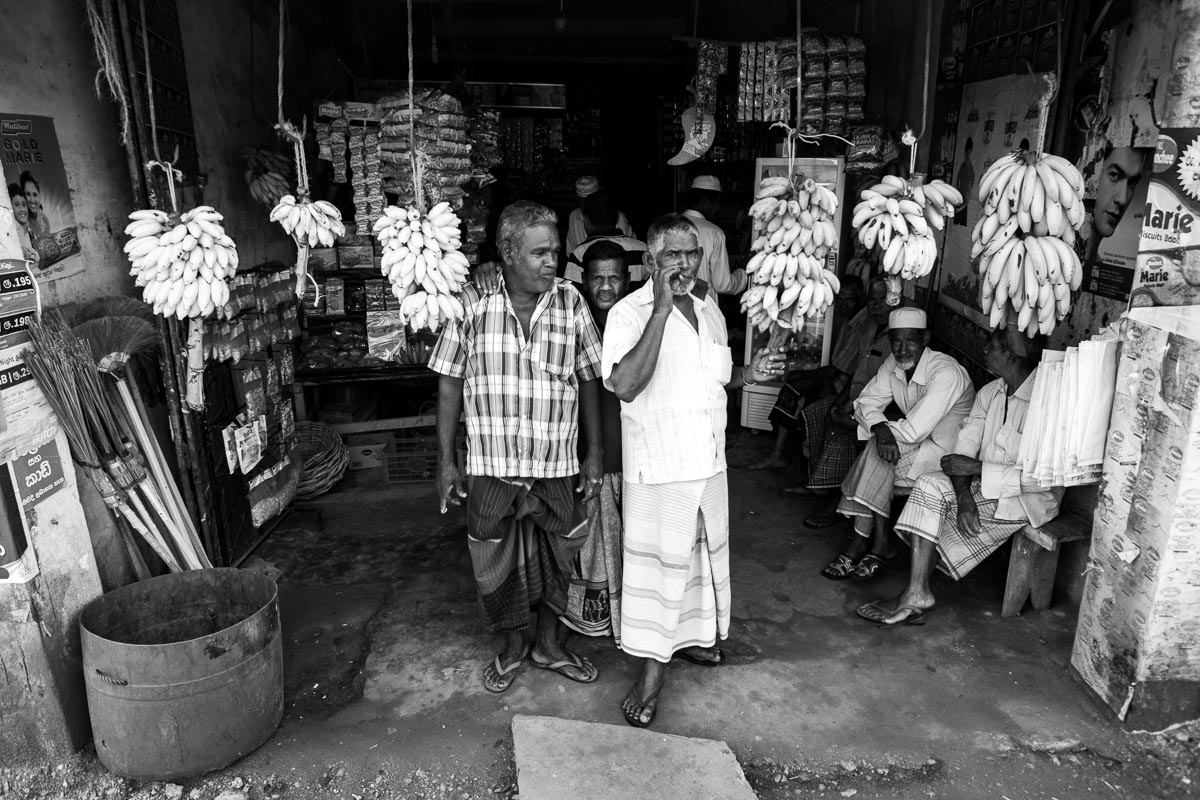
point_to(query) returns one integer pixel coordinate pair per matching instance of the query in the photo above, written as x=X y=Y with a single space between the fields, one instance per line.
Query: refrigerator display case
x=809 y=348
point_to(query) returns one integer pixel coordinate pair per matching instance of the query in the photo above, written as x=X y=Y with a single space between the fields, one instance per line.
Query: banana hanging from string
x=793 y=234
x=182 y=262
x=314 y=223
x=422 y=261
x=899 y=217
x=1025 y=239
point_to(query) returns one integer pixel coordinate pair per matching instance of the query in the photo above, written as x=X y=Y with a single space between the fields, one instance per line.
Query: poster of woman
x=39 y=195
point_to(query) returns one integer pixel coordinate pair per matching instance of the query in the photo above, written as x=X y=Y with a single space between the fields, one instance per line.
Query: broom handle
x=152 y=538
x=154 y=457
x=190 y=559
x=135 y=556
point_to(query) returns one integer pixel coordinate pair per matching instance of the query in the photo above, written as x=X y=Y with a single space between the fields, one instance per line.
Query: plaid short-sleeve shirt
x=521 y=396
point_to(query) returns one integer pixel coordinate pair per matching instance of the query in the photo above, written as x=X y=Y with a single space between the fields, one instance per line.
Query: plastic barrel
x=184 y=672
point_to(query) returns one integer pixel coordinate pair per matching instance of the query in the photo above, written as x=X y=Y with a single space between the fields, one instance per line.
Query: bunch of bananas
x=794 y=233
x=899 y=218
x=1032 y=208
x=311 y=224
x=422 y=261
x=184 y=262
x=268 y=174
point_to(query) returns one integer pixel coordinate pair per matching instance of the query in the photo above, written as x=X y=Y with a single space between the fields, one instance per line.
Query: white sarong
x=675 y=580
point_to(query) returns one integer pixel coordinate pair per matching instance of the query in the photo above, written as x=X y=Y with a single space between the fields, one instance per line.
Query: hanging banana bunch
x=422 y=261
x=899 y=218
x=1032 y=208
x=315 y=224
x=793 y=234
x=184 y=262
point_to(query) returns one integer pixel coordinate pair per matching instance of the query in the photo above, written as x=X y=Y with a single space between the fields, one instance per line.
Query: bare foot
x=770 y=462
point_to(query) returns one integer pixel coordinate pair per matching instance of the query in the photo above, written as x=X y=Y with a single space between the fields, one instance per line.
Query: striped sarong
x=832 y=450
x=932 y=513
x=872 y=483
x=594 y=596
x=523 y=535
x=675 y=584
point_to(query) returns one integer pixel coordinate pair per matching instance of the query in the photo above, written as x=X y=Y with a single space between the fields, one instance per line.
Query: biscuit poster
x=1168 y=264
x=40 y=196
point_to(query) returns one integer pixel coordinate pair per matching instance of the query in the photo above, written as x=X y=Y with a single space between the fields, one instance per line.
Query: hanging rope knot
x=908 y=138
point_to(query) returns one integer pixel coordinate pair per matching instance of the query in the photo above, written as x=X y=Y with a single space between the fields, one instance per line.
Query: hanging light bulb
x=560 y=22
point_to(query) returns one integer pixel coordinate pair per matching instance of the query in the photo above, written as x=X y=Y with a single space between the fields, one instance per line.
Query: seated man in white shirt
x=910 y=413
x=703 y=201
x=959 y=516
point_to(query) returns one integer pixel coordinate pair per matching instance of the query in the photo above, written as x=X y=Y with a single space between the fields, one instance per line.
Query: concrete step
x=559 y=758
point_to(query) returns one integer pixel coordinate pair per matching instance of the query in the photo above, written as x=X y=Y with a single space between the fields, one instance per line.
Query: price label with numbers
x=26 y=421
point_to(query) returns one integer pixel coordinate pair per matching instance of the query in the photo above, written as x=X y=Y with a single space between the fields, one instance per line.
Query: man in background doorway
x=964 y=181
x=601 y=219
x=703 y=201
x=585 y=187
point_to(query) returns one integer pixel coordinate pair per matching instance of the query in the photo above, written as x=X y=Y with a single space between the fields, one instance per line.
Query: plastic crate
x=414 y=459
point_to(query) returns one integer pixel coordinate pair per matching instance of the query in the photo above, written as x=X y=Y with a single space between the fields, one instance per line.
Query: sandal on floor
x=822 y=519
x=703 y=662
x=635 y=719
x=503 y=676
x=839 y=569
x=572 y=661
x=914 y=616
x=868 y=565
x=874 y=612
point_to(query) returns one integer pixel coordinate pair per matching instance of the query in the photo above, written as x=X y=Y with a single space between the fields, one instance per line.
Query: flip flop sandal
x=802 y=491
x=867 y=566
x=916 y=616
x=839 y=569
x=636 y=719
x=873 y=612
x=822 y=519
x=703 y=662
x=504 y=675
x=561 y=666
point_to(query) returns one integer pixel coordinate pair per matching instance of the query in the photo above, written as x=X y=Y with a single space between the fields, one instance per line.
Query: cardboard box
x=366 y=449
x=356 y=257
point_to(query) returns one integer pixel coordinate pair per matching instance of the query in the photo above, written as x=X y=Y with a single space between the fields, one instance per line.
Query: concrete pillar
x=43 y=708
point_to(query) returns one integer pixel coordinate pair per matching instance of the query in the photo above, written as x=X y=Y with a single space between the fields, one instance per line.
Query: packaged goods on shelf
x=443 y=148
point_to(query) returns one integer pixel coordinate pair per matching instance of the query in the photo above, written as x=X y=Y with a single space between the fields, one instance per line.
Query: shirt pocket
x=555 y=355
x=718 y=361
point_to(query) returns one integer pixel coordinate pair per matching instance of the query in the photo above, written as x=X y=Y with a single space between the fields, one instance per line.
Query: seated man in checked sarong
x=957 y=517
x=525 y=362
x=932 y=394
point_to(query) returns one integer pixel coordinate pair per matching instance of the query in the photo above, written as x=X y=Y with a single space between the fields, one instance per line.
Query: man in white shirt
x=703 y=200
x=666 y=356
x=585 y=187
x=958 y=516
x=909 y=413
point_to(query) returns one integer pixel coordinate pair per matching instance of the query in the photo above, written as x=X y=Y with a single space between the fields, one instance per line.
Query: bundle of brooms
x=82 y=372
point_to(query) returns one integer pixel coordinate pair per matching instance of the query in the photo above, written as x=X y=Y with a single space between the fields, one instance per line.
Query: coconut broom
x=49 y=362
x=114 y=340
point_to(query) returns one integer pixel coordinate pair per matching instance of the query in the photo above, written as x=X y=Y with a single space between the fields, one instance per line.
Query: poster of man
x=39 y=195
x=1112 y=240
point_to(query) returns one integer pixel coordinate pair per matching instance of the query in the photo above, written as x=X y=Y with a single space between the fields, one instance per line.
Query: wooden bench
x=1034 y=561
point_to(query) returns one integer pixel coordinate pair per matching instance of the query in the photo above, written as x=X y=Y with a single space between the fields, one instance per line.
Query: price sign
x=19 y=282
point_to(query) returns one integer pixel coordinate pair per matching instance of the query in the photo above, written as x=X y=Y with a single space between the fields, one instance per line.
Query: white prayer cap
x=587 y=185
x=907 y=318
x=710 y=183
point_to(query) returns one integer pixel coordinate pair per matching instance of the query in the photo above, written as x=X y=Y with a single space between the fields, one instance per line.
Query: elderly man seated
x=911 y=410
x=957 y=517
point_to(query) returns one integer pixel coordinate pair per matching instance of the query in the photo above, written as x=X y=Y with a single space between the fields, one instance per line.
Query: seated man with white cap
x=958 y=516
x=909 y=413
x=703 y=200
x=576 y=228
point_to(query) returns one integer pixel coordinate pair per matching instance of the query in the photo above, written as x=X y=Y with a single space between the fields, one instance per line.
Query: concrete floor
x=384 y=650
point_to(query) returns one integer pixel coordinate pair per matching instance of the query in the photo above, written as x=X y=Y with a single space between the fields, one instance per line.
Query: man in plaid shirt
x=523 y=363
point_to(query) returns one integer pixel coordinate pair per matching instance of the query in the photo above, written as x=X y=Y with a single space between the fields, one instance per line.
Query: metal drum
x=184 y=672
